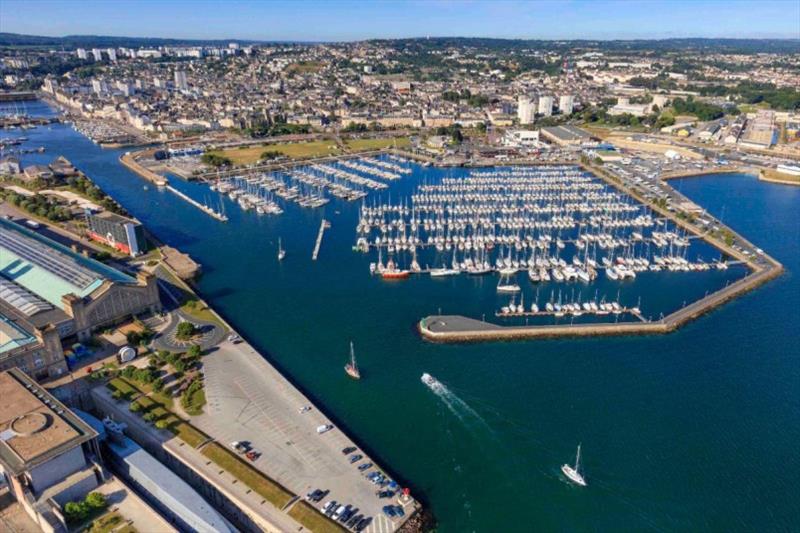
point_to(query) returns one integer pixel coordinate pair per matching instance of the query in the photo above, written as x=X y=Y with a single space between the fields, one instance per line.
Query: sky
x=346 y=20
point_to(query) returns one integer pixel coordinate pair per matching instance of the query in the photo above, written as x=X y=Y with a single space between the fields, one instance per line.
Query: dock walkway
x=205 y=209
x=322 y=227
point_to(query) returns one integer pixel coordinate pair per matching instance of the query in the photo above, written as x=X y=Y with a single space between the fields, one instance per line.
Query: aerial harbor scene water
x=291 y=267
x=507 y=414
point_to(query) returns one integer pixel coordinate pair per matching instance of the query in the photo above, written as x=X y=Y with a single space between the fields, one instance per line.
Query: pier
x=322 y=227
x=129 y=160
x=204 y=208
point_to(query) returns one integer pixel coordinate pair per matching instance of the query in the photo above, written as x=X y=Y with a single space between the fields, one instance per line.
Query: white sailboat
x=281 y=251
x=573 y=473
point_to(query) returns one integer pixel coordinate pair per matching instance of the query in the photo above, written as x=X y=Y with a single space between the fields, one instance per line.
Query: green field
x=251 y=154
x=360 y=145
x=258 y=482
x=314 y=521
x=247 y=155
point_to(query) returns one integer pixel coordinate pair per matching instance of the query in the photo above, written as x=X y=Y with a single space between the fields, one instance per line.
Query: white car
x=324 y=428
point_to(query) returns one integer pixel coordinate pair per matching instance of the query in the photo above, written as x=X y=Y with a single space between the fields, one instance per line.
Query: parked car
x=355 y=457
x=364 y=466
x=349 y=450
x=324 y=428
x=388 y=510
x=240 y=447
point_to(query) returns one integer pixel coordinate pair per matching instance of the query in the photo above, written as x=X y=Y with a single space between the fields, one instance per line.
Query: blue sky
x=316 y=20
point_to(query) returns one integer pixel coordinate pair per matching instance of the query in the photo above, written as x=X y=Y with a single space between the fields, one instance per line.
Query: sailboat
x=351 y=367
x=573 y=473
x=281 y=251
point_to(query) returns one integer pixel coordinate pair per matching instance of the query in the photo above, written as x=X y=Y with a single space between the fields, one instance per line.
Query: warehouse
x=49 y=293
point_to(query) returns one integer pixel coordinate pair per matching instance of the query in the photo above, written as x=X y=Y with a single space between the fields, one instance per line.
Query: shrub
x=135 y=407
x=194 y=351
x=162 y=424
x=95 y=500
x=148 y=417
x=186 y=330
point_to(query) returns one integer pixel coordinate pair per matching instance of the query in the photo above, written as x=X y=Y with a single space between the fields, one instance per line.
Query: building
x=51 y=295
x=526 y=110
x=98 y=54
x=175 y=498
x=81 y=53
x=122 y=233
x=566 y=104
x=99 y=86
x=625 y=107
x=565 y=135
x=158 y=83
x=521 y=138
x=126 y=88
x=112 y=54
x=180 y=81
x=546 y=105
x=48 y=455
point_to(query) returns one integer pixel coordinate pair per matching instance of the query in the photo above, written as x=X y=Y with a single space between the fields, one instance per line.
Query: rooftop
x=34 y=426
x=567 y=132
x=47 y=268
x=12 y=336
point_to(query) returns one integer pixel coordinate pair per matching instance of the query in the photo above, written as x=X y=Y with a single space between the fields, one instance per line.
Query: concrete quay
x=457 y=328
x=129 y=160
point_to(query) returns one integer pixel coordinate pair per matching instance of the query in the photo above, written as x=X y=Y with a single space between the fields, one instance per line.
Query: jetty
x=204 y=208
x=129 y=159
x=322 y=227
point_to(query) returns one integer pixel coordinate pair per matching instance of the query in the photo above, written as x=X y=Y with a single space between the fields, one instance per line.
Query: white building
x=82 y=54
x=525 y=110
x=566 y=104
x=180 y=81
x=126 y=88
x=158 y=83
x=520 y=138
x=112 y=54
x=99 y=86
x=625 y=107
x=546 y=105
x=98 y=55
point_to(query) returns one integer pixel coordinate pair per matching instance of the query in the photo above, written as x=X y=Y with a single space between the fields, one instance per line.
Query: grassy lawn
x=195 y=402
x=196 y=309
x=181 y=429
x=770 y=174
x=313 y=520
x=112 y=521
x=125 y=388
x=360 y=145
x=251 y=154
x=258 y=482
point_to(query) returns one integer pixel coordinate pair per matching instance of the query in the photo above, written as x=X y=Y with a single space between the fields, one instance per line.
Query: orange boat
x=395 y=274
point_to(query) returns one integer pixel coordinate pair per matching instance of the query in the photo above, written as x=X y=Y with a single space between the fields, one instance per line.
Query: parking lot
x=249 y=401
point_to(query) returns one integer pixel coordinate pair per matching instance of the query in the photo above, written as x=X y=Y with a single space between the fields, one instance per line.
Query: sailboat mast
x=578 y=458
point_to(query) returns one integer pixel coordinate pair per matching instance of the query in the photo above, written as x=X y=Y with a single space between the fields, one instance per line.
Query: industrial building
x=122 y=233
x=565 y=135
x=48 y=456
x=50 y=293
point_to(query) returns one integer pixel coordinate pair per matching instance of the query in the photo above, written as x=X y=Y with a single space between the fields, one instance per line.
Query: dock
x=204 y=208
x=322 y=227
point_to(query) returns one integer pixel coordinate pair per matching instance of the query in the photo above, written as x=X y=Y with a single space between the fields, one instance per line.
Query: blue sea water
x=695 y=430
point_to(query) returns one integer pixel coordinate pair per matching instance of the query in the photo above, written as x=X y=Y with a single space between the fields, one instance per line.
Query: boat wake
x=456 y=405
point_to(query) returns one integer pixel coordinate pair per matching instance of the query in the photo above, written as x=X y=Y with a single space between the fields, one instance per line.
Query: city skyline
x=344 y=20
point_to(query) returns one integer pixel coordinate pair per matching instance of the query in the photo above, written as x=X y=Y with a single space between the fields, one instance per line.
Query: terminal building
x=48 y=456
x=122 y=233
x=51 y=295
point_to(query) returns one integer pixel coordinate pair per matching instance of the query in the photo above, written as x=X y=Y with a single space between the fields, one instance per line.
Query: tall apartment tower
x=566 y=103
x=546 y=105
x=180 y=81
x=525 y=110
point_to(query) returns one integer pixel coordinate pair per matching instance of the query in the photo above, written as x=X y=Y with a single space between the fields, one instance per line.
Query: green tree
x=185 y=330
